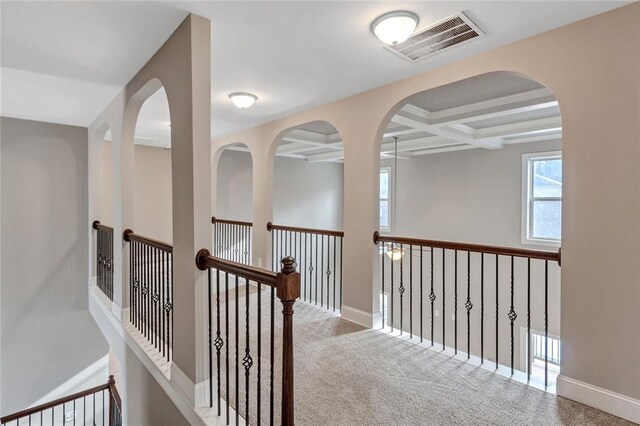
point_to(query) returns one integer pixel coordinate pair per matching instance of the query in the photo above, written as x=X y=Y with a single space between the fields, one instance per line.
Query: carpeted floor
x=349 y=375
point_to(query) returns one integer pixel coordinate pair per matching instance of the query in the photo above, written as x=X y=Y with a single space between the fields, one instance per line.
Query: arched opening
x=471 y=173
x=308 y=176
x=152 y=169
x=233 y=195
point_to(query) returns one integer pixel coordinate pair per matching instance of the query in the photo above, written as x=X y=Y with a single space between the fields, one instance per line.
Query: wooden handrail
x=114 y=392
x=230 y=222
x=97 y=225
x=477 y=248
x=204 y=260
x=271 y=226
x=54 y=403
x=128 y=235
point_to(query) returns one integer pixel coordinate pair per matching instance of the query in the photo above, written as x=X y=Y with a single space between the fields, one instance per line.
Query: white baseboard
x=116 y=310
x=184 y=384
x=602 y=399
x=359 y=317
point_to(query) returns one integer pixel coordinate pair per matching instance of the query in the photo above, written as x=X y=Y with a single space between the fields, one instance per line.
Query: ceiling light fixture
x=243 y=100
x=395 y=27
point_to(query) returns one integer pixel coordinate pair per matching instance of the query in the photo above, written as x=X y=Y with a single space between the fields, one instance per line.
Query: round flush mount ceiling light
x=242 y=99
x=395 y=27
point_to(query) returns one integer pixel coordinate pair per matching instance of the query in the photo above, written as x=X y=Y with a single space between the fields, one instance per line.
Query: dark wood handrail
x=271 y=226
x=477 y=248
x=204 y=260
x=114 y=392
x=55 y=403
x=128 y=235
x=97 y=225
x=230 y=222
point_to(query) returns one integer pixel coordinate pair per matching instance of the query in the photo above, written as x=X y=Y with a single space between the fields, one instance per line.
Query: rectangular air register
x=445 y=34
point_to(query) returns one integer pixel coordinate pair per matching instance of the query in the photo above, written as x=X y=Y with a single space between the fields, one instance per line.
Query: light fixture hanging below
x=242 y=99
x=394 y=27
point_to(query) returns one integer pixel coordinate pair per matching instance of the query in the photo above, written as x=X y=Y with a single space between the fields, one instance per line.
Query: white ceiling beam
x=411 y=119
x=444 y=149
x=518 y=128
x=537 y=138
x=413 y=144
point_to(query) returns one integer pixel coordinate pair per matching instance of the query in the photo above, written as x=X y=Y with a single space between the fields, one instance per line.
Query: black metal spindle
x=401 y=288
x=237 y=342
x=259 y=379
x=497 y=312
x=271 y=357
x=481 y=308
x=421 y=300
x=444 y=316
x=384 y=324
x=226 y=339
x=512 y=314
x=247 y=361
x=468 y=305
x=432 y=298
x=391 y=305
x=546 y=322
x=455 y=301
x=528 y=346
x=334 y=273
x=410 y=292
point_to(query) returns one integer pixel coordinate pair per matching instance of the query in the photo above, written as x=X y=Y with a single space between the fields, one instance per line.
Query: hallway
x=348 y=375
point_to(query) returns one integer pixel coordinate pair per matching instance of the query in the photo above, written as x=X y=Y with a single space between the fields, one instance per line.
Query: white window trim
x=386 y=229
x=527 y=186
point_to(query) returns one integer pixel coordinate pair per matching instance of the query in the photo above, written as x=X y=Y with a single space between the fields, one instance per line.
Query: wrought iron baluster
x=328 y=271
x=321 y=271
x=421 y=299
x=546 y=323
x=259 y=380
x=384 y=324
x=271 y=357
x=401 y=288
x=481 y=308
x=432 y=298
x=341 y=263
x=512 y=314
x=455 y=302
x=236 y=296
x=497 y=313
x=334 y=273
x=226 y=339
x=444 y=315
x=528 y=318
x=209 y=334
x=315 y=302
x=247 y=361
x=391 y=304
x=468 y=305
x=410 y=291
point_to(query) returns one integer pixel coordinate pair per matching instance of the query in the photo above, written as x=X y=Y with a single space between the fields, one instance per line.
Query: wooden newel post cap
x=111 y=380
x=288 y=281
x=201 y=258
x=125 y=235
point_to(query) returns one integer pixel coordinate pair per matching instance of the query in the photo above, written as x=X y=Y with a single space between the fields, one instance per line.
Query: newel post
x=288 y=290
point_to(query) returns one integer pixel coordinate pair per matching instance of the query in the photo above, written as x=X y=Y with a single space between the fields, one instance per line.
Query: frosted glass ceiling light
x=243 y=100
x=395 y=27
x=394 y=253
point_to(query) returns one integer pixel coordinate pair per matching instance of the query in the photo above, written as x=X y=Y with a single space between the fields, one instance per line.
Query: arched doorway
x=471 y=174
x=308 y=176
x=233 y=203
x=152 y=169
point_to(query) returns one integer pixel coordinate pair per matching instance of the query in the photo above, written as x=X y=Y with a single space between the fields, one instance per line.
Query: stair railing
x=239 y=296
x=232 y=240
x=100 y=405
x=319 y=256
x=104 y=258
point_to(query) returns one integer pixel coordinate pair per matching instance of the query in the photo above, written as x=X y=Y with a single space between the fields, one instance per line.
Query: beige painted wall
x=592 y=67
x=152 y=186
x=183 y=67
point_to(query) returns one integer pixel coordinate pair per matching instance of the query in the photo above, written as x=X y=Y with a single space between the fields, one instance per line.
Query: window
x=542 y=198
x=385 y=190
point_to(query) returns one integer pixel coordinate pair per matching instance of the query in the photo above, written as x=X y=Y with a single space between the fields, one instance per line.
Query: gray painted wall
x=48 y=334
x=305 y=194
x=234 y=186
x=471 y=196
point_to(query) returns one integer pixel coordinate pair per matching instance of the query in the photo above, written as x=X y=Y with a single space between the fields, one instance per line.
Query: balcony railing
x=319 y=256
x=232 y=240
x=151 y=290
x=104 y=258
x=241 y=300
x=418 y=272
x=100 y=405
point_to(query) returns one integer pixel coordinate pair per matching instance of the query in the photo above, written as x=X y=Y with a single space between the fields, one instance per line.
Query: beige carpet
x=348 y=375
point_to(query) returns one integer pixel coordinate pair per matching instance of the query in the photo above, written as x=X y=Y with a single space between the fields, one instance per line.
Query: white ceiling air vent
x=442 y=35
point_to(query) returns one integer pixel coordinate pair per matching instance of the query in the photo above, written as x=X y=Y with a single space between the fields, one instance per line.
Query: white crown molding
x=602 y=399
